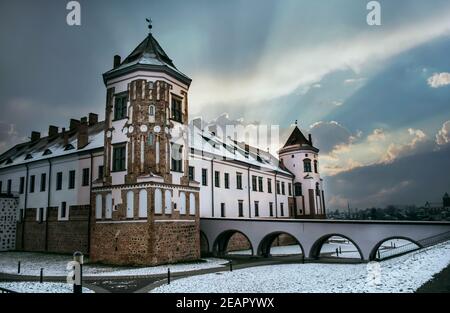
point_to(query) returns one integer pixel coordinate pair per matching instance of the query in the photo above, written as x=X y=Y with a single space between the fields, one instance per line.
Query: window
x=98 y=206
x=191 y=173
x=204 y=177
x=59 y=180
x=317 y=189
x=239 y=180
x=21 y=185
x=278 y=187
x=307 y=165
x=290 y=189
x=8 y=187
x=151 y=110
x=71 y=179
x=222 y=210
x=254 y=183
x=271 y=208
x=227 y=181
x=217 y=178
x=241 y=208
x=32 y=183
x=256 y=208
x=315 y=166
x=119 y=158
x=297 y=189
x=260 y=184
x=282 y=209
x=176 y=110
x=40 y=217
x=85 y=180
x=269 y=185
x=283 y=191
x=63 y=210
x=150 y=139
x=177 y=158
x=100 y=172
x=43 y=181
x=120 y=106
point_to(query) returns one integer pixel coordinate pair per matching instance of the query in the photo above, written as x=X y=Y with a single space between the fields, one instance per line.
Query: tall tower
x=301 y=158
x=146 y=209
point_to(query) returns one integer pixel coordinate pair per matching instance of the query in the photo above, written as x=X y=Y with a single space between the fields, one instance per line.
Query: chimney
x=82 y=135
x=116 y=61
x=35 y=136
x=93 y=119
x=52 y=131
x=310 y=139
x=197 y=122
x=74 y=124
x=65 y=136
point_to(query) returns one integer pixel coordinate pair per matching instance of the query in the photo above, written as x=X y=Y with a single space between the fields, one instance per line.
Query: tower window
x=176 y=110
x=150 y=139
x=119 y=158
x=177 y=159
x=307 y=165
x=315 y=166
x=120 y=106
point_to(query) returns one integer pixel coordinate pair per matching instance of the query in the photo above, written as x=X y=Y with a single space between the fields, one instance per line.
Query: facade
x=131 y=189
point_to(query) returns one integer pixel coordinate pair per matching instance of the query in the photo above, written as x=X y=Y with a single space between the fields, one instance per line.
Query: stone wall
x=8 y=215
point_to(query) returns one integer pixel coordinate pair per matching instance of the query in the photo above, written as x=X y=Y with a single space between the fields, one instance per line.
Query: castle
x=131 y=189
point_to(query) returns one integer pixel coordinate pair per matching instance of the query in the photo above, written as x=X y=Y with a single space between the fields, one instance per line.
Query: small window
x=282 y=209
x=297 y=189
x=150 y=139
x=21 y=185
x=222 y=210
x=307 y=165
x=119 y=158
x=256 y=208
x=151 y=110
x=217 y=179
x=100 y=172
x=290 y=189
x=204 y=177
x=8 y=187
x=254 y=186
x=177 y=157
x=227 y=181
x=278 y=187
x=120 y=106
x=269 y=185
x=28 y=156
x=69 y=147
x=271 y=208
x=47 y=152
x=43 y=181
x=40 y=215
x=283 y=191
x=241 y=208
x=59 y=177
x=85 y=179
x=63 y=210
x=315 y=166
x=260 y=184
x=71 y=179
x=191 y=173
x=239 y=180
x=176 y=110
x=32 y=183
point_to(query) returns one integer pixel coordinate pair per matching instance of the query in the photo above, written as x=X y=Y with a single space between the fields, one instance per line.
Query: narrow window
x=307 y=165
x=40 y=215
x=85 y=177
x=315 y=166
x=32 y=183
x=204 y=177
x=271 y=208
x=21 y=185
x=191 y=173
x=43 y=181
x=283 y=191
x=222 y=209
x=100 y=172
x=176 y=110
x=227 y=181
x=282 y=209
x=297 y=189
x=278 y=187
x=72 y=179
x=241 y=208
x=63 y=210
x=260 y=184
x=177 y=159
x=59 y=180
x=290 y=189
x=217 y=178
x=239 y=180
x=256 y=208
x=254 y=183
x=120 y=106
x=119 y=158
x=8 y=186
x=269 y=185
x=150 y=140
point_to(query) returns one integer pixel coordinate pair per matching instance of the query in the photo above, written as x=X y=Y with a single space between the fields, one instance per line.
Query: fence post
x=18 y=267
x=231 y=265
x=168 y=275
x=41 y=276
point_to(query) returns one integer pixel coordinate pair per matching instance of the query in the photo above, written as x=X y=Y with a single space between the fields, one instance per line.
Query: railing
x=4 y=290
x=423 y=243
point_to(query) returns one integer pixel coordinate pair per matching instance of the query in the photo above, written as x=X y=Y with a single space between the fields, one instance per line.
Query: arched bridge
x=367 y=236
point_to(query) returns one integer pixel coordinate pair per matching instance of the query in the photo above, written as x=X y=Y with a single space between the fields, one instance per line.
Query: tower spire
x=150 y=26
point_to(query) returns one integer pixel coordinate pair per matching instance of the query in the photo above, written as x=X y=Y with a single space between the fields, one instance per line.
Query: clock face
x=108 y=134
x=130 y=129
x=144 y=128
x=157 y=129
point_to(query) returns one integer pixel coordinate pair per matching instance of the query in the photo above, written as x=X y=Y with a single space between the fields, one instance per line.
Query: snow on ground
x=403 y=274
x=55 y=265
x=36 y=287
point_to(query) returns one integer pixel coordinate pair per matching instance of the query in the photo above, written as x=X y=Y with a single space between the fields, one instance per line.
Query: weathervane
x=149 y=21
x=296 y=122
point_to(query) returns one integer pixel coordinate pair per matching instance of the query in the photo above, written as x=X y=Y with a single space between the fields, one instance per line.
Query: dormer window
x=9 y=161
x=28 y=156
x=47 y=152
x=69 y=147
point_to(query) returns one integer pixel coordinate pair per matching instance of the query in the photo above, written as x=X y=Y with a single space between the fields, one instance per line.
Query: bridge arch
x=317 y=245
x=221 y=242
x=266 y=243
x=373 y=252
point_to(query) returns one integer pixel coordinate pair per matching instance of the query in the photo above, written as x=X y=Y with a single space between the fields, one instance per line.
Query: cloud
x=439 y=80
x=354 y=80
x=419 y=142
x=443 y=135
x=378 y=134
x=329 y=135
x=9 y=135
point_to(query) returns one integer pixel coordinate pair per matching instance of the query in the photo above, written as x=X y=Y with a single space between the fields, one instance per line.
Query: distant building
x=438 y=206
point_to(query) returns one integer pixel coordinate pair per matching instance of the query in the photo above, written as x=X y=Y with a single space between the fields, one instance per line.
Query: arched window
x=168 y=202
x=130 y=204
x=98 y=206
x=151 y=110
x=192 y=207
x=317 y=189
x=182 y=203
x=158 y=201
x=150 y=139
x=297 y=189
x=307 y=165
x=143 y=203
x=108 y=213
x=315 y=166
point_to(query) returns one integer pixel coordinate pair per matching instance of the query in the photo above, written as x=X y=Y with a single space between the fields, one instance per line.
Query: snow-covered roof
x=203 y=141
x=51 y=147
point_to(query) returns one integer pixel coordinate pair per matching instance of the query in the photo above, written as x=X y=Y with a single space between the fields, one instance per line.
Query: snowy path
x=403 y=274
x=55 y=265
x=36 y=287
